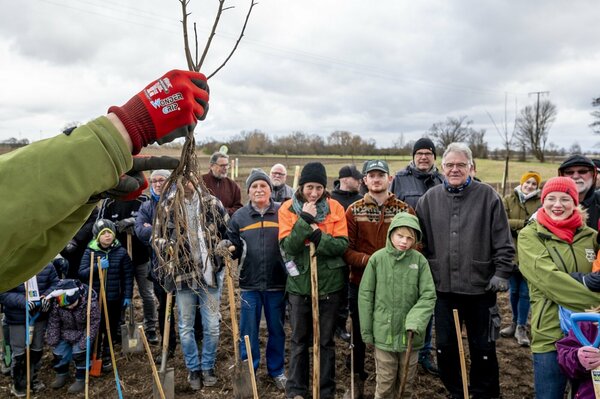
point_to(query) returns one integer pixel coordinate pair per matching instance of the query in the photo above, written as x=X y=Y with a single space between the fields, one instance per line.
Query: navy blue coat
x=14 y=302
x=119 y=278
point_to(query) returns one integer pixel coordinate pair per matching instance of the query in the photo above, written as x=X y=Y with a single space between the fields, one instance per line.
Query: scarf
x=154 y=196
x=322 y=208
x=563 y=229
x=456 y=190
x=524 y=197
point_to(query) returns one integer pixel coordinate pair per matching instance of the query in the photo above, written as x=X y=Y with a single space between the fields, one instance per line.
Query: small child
x=66 y=332
x=576 y=360
x=118 y=279
x=16 y=303
x=396 y=295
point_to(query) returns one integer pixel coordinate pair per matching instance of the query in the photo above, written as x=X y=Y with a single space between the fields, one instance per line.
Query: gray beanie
x=257 y=174
x=161 y=172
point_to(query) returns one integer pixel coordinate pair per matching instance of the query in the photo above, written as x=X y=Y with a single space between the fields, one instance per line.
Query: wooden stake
x=461 y=352
x=296 y=177
x=251 y=366
x=151 y=360
x=314 y=284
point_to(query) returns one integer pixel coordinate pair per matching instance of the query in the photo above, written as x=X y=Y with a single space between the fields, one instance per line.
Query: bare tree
x=533 y=125
x=507 y=139
x=451 y=131
x=596 y=114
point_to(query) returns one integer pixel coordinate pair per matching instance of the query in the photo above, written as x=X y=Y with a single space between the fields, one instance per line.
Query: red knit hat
x=562 y=185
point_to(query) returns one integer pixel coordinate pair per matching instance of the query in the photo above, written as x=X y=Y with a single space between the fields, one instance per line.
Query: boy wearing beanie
x=108 y=253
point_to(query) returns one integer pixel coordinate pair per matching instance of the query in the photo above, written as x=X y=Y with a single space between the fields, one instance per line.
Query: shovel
x=151 y=359
x=406 y=363
x=592 y=317
x=166 y=376
x=96 y=366
x=130 y=334
x=242 y=381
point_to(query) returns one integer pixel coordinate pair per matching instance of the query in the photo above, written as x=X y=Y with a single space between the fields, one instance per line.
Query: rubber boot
x=35 y=361
x=62 y=373
x=79 y=384
x=508 y=332
x=19 y=376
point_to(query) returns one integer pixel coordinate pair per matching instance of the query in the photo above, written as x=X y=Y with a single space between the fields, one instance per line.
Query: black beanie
x=313 y=172
x=424 y=144
x=257 y=174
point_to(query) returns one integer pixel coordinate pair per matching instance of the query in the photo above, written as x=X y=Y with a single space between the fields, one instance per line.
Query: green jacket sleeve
x=293 y=244
x=419 y=315
x=366 y=301
x=539 y=269
x=45 y=189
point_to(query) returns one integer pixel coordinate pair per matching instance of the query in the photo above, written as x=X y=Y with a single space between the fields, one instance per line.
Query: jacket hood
x=403 y=219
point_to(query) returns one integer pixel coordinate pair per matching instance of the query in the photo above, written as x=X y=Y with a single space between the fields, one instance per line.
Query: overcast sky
x=383 y=69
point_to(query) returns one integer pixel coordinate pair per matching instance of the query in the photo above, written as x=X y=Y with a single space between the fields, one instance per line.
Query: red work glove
x=134 y=182
x=166 y=109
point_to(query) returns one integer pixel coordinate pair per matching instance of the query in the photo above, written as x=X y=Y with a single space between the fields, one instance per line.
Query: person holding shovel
x=90 y=160
x=253 y=230
x=66 y=332
x=552 y=248
x=396 y=299
x=28 y=300
x=118 y=273
x=312 y=217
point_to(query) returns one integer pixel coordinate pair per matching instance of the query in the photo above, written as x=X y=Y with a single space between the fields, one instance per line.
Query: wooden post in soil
x=314 y=285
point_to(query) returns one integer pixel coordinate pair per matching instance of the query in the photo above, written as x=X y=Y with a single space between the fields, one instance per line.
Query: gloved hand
x=134 y=182
x=126 y=302
x=162 y=244
x=71 y=247
x=31 y=305
x=589 y=357
x=104 y=264
x=125 y=225
x=224 y=245
x=307 y=217
x=497 y=284
x=166 y=109
x=45 y=304
x=315 y=237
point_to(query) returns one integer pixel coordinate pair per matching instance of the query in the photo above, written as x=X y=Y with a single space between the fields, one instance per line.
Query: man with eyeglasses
x=221 y=186
x=409 y=185
x=584 y=173
x=467 y=241
x=281 y=192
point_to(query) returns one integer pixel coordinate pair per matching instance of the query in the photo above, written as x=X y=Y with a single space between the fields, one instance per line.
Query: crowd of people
x=396 y=253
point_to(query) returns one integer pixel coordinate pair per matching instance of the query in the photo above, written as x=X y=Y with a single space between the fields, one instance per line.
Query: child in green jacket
x=396 y=297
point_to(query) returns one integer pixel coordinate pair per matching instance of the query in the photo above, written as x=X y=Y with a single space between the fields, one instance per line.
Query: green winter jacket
x=546 y=262
x=519 y=213
x=45 y=188
x=396 y=294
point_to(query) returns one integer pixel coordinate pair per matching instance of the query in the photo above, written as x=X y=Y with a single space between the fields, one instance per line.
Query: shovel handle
x=167 y=331
x=87 y=327
x=578 y=317
x=314 y=284
x=461 y=352
x=251 y=366
x=406 y=362
x=151 y=359
x=232 y=308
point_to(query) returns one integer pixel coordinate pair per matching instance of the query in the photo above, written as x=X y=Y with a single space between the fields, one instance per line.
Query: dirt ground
x=516 y=378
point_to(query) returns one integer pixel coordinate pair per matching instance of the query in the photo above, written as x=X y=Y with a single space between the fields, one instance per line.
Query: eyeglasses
x=158 y=181
x=278 y=174
x=580 y=172
x=423 y=154
x=460 y=165
x=222 y=165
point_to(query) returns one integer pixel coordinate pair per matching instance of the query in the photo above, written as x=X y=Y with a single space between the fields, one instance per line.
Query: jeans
x=273 y=303
x=65 y=350
x=145 y=290
x=208 y=300
x=301 y=341
x=519 y=298
x=359 y=345
x=477 y=311
x=549 y=382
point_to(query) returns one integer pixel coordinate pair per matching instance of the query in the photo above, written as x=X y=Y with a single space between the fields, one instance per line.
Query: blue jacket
x=255 y=237
x=119 y=275
x=14 y=302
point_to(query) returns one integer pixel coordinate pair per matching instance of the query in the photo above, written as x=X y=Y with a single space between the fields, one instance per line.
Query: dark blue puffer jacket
x=119 y=275
x=14 y=302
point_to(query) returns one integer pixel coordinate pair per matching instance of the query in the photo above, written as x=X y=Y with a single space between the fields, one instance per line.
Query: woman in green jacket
x=556 y=244
x=396 y=295
x=520 y=205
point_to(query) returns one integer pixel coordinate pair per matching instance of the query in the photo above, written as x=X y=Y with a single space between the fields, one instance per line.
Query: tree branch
x=252 y=4
x=212 y=34
x=186 y=43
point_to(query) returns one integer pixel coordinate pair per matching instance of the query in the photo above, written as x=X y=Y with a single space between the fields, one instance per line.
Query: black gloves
x=307 y=217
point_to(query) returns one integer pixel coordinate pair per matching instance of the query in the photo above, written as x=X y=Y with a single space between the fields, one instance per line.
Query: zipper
x=562 y=261
x=544 y=307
